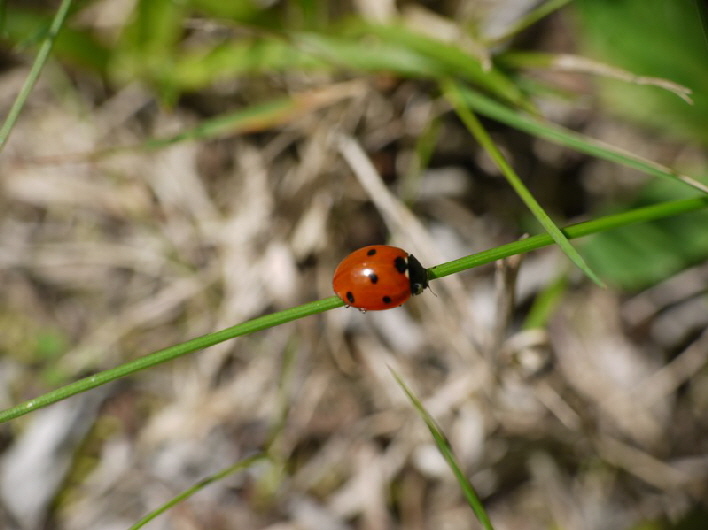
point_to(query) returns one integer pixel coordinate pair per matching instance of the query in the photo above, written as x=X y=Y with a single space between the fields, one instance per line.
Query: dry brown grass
x=583 y=425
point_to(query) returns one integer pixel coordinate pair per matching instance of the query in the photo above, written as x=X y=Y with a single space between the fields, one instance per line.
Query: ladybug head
x=417 y=275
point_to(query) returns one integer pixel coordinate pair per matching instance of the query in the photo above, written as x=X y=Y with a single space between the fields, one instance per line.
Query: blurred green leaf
x=450 y=59
x=254 y=117
x=651 y=38
x=156 y=26
x=200 y=67
x=546 y=303
x=4 y=34
x=316 y=51
x=50 y=345
x=149 y=50
x=636 y=257
x=378 y=56
x=147 y=44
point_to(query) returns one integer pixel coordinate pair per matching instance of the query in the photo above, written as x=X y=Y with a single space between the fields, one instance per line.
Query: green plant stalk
x=238 y=466
x=452 y=93
x=649 y=213
x=170 y=353
x=36 y=69
x=603 y=224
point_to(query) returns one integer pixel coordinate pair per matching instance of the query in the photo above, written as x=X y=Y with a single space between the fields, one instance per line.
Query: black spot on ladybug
x=401 y=264
x=386 y=299
x=374 y=278
x=371 y=252
x=350 y=297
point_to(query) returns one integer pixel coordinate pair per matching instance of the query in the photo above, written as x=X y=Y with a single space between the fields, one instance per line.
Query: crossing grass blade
x=238 y=466
x=452 y=94
x=444 y=447
x=561 y=136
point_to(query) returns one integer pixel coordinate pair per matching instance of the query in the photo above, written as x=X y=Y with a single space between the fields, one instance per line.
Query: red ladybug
x=379 y=277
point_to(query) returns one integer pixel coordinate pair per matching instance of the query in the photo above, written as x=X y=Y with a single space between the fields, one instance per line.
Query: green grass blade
x=562 y=136
x=603 y=224
x=256 y=117
x=356 y=45
x=25 y=28
x=238 y=466
x=634 y=258
x=260 y=116
x=451 y=59
x=649 y=213
x=452 y=94
x=444 y=447
x=36 y=69
x=170 y=353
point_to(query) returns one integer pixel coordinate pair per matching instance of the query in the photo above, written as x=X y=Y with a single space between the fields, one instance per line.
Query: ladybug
x=379 y=277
